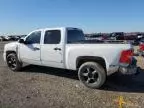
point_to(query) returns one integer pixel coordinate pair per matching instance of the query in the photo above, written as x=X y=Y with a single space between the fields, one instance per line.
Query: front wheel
x=13 y=62
x=92 y=75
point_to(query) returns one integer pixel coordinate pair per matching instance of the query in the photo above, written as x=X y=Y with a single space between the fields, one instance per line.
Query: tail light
x=141 y=47
x=126 y=56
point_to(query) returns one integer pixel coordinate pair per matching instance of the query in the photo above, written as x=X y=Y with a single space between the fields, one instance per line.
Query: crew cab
x=66 y=48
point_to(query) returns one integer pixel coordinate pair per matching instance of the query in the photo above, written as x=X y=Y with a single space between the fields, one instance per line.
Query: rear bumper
x=130 y=69
x=125 y=69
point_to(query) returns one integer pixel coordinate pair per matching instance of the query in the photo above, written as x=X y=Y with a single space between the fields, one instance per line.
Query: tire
x=13 y=63
x=92 y=75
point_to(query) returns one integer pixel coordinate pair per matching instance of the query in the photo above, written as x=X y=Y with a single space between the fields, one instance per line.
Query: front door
x=30 y=50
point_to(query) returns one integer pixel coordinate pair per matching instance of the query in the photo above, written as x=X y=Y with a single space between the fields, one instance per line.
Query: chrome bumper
x=130 y=69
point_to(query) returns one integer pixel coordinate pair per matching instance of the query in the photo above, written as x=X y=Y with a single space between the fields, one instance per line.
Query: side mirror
x=21 y=41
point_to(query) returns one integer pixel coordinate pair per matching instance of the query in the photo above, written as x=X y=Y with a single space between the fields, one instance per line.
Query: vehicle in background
x=6 y=38
x=139 y=40
x=17 y=38
x=22 y=36
x=129 y=38
x=11 y=37
x=97 y=36
x=66 y=48
x=116 y=36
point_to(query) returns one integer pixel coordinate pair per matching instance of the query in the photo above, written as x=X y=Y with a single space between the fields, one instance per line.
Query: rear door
x=52 y=49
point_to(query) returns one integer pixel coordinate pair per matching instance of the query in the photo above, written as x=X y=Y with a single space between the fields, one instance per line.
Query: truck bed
x=100 y=41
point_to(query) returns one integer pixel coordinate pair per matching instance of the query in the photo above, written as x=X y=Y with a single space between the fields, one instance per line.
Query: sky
x=23 y=16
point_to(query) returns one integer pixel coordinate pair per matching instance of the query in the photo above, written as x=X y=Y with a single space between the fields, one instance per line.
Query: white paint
x=66 y=58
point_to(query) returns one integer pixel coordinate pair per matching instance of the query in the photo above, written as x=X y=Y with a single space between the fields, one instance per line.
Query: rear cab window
x=74 y=35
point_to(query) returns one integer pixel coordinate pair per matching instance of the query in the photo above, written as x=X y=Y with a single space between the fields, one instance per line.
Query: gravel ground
x=43 y=87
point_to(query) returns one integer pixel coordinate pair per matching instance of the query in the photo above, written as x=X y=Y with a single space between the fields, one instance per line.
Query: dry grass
x=43 y=87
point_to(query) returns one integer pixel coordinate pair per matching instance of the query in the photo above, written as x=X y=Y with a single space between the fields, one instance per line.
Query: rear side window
x=52 y=37
x=74 y=36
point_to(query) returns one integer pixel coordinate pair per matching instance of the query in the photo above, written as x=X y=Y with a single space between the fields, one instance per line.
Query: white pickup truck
x=66 y=48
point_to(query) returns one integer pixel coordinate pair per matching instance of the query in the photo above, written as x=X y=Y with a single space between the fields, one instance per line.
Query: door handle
x=35 y=48
x=57 y=48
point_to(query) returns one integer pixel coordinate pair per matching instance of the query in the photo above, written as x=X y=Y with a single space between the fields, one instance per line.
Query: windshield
x=74 y=35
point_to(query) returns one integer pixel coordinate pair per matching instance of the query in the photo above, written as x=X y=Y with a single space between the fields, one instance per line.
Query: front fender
x=10 y=47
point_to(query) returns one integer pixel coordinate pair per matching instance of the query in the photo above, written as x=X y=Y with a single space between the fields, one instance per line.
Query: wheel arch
x=17 y=62
x=10 y=51
x=82 y=59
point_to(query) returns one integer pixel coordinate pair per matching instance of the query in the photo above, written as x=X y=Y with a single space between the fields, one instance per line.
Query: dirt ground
x=43 y=87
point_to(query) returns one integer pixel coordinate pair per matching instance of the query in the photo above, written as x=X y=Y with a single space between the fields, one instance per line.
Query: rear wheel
x=92 y=75
x=13 y=62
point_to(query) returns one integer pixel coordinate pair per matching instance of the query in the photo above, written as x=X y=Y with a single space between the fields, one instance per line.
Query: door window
x=34 y=38
x=52 y=37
